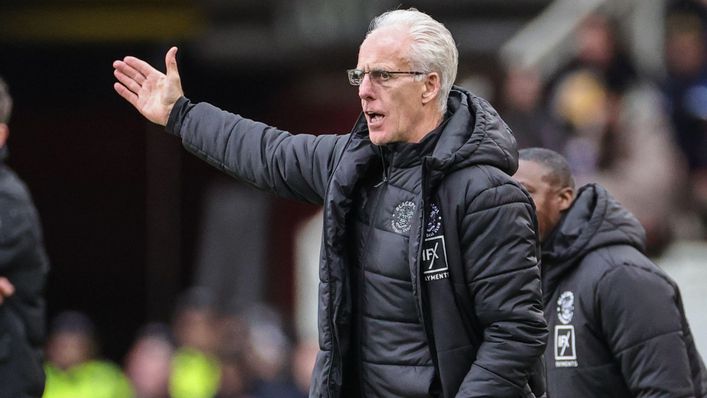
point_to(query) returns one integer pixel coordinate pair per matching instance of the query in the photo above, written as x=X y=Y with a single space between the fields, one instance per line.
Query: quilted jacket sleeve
x=503 y=277
x=292 y=166
x=645 y=331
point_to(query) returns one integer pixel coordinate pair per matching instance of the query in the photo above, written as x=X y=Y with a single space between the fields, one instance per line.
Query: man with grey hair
x=429 y=279
x=23 y=268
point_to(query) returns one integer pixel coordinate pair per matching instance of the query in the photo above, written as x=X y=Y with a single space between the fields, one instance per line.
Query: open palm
x=150 y=91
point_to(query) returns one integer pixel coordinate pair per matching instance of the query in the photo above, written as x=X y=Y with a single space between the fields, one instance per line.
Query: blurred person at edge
x=429 y=245
x=74 y=368
x=236 y=374
x=685 y=89
x=267 y=351
x=23 y=269
x=524 y=111
x=196 y=370
x=303 y=359
x=614 y=120
x=618 y=328
x=148 y=362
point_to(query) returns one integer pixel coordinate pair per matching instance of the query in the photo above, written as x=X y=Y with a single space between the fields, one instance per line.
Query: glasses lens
x=355 y=76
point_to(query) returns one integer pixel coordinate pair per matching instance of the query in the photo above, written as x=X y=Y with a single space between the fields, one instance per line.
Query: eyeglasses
x=377 y=75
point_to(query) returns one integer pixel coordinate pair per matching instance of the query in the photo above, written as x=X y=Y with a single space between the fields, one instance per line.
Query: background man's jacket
x=617 y=324
x=24 y=262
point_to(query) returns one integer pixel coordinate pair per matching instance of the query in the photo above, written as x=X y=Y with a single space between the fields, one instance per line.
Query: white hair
x=432 y=49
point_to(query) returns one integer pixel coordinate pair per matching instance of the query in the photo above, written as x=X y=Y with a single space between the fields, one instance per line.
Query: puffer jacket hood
x=594 y=220
x=474 y=134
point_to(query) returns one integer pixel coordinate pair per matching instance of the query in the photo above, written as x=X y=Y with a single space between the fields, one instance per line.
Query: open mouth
x=374 y=117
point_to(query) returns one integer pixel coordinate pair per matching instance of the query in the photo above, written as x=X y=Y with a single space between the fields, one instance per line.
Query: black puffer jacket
x=481 y=306
x=24 y=262
x=617 y=325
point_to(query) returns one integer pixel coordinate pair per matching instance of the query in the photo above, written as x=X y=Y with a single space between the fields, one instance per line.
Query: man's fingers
x=170 y=60
x=129 y=71
x=129 y=96
x=127 y=81
x=140 y=66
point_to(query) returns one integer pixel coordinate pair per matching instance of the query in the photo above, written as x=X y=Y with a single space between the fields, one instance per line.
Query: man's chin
x=377 y=137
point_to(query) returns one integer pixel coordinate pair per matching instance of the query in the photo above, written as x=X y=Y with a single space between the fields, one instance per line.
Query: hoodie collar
x=473 y=133
x=594 y=220
x=405 y=154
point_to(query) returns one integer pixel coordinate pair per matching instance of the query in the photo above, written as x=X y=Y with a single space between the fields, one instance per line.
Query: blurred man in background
x=74 y=367
x=617 y=324
x=196 y=371
x=23 y=269
x=148 y=363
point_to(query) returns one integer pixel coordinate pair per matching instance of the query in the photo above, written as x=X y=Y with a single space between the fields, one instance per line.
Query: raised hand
x=150 y=91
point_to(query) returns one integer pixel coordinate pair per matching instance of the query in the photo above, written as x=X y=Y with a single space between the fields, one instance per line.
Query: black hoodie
x=617 y=324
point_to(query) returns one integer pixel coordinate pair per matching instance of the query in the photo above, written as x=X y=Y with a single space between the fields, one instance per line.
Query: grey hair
x=559 y=172
x=432 y=50
x=5 y=102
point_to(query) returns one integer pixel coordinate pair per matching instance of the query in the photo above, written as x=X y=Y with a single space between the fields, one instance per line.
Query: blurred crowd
x=203 y=353
x=643 y=137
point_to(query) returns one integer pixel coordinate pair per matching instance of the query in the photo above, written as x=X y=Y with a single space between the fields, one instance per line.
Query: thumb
x=6 y=288
x=170 y=61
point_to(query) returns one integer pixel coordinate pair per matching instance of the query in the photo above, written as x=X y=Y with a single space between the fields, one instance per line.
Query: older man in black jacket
x=430 y=285
x=618 y=328
x=23 y=268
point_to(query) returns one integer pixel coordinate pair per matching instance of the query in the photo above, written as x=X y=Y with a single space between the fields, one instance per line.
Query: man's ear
x=432 y=87
x=566 y=196
x=4 y=132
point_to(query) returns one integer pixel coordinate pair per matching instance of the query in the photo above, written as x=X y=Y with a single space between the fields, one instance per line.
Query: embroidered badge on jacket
x=434 y=250
x=402 y=217
x=565 y=352
x=565 y=307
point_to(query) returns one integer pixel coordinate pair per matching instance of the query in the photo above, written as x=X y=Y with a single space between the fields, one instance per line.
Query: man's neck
x=428 y=125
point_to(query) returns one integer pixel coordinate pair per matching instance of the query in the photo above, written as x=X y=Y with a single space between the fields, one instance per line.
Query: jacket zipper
x=386 y=178
x=362 y=273
x=422 y=296
x=335 y=349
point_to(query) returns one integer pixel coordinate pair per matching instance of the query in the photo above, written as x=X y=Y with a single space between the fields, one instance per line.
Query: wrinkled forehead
x=386 y=46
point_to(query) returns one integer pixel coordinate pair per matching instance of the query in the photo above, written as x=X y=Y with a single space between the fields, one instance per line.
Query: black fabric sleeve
x=295 y=166
x=503 y=279
x=643 y=326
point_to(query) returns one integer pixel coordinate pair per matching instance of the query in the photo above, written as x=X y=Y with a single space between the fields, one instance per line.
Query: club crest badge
x=565 y=307
x=434 y=221
x=434 y=249
x=402 y=217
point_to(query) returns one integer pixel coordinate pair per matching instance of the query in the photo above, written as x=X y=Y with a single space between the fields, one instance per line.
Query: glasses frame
x=377 y=75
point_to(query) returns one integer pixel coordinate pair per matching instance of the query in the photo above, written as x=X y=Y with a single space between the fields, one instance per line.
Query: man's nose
x=366 y=89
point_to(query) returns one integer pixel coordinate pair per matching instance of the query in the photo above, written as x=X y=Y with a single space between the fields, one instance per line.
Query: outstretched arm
x=6 y=289
x=150 y=91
